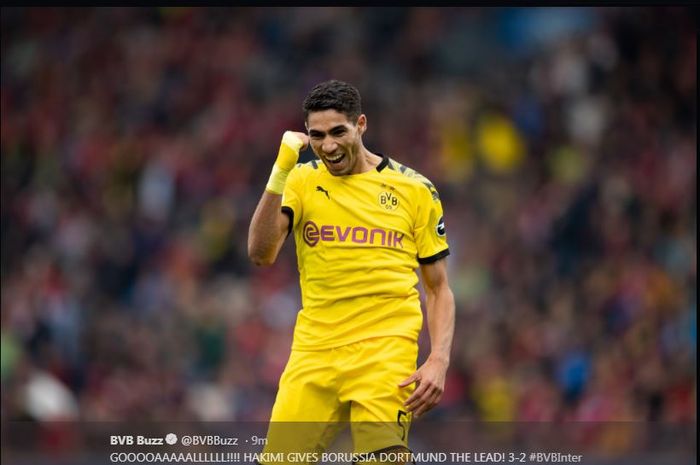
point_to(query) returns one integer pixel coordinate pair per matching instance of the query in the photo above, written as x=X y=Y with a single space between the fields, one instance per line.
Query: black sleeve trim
x=290 y=213
x=434 y=258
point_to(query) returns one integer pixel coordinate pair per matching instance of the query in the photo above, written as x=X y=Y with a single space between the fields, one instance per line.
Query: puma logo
x=321 y=189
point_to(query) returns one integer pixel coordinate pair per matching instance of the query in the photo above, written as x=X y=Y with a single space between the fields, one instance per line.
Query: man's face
x=336 y=140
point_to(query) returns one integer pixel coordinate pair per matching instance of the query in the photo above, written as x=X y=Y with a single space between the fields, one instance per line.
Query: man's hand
x=292 y=143
x=430 y=384
x=303 y=136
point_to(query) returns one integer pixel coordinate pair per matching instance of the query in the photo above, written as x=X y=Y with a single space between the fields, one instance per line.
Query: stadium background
x=136 y=143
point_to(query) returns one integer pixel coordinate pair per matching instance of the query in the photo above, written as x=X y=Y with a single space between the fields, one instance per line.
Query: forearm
x=267 y=229
x=430 y=377
x=441 y=321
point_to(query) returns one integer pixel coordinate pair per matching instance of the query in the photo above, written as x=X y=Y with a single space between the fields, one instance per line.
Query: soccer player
x=362 y=223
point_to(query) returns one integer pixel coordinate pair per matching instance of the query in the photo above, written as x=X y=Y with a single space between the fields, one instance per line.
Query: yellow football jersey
x=359 y=239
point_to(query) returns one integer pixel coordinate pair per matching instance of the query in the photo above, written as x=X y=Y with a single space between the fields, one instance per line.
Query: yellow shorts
x=356 y=383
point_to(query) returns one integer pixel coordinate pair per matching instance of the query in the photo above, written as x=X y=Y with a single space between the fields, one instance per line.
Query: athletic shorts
x=320 y=391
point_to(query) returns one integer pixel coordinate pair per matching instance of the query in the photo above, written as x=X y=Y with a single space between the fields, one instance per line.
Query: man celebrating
x=362 y=224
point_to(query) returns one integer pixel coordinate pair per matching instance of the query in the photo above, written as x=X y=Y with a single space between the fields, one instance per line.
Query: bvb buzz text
x=231 y=455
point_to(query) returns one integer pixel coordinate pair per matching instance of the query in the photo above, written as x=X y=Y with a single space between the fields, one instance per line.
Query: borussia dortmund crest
x=388 y=200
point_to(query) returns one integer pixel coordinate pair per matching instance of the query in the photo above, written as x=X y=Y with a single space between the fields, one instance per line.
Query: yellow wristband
x=278 y=178
x=286 y=159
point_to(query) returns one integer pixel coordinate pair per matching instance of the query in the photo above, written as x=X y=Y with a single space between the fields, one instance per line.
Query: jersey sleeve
x=291 y=197
x=430 y=235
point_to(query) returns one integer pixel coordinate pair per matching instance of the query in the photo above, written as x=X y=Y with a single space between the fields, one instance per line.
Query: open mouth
x=335 y=160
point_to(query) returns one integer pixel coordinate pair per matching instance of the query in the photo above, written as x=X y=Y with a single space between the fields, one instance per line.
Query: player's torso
x=357 y=255
x=367 y=216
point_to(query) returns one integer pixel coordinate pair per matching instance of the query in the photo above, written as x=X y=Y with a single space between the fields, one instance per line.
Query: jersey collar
x=382 y=164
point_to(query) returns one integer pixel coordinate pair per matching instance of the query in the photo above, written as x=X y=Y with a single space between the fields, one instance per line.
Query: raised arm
x=269 y=226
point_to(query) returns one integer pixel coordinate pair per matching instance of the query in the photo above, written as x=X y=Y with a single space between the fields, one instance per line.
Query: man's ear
x=362 y=123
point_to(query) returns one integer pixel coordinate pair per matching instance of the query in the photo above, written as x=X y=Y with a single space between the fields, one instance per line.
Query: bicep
x=434 y=275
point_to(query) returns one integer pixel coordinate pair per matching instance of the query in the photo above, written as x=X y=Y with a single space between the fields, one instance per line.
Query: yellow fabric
x=287 y=157
x=321 y=391
x=358 y=241
x=289 y=151
x=500 y=143
x=277 y=180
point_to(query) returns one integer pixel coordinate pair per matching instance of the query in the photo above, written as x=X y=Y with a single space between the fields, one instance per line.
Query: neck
x=367 y=161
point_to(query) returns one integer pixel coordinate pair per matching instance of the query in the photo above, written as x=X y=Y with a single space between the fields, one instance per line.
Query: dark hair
x=334 y=95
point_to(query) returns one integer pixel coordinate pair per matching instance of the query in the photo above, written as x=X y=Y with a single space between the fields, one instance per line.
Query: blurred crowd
x=136 y=143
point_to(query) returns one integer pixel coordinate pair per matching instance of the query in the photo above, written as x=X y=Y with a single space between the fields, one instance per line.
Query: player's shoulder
x=307 y=169
x=310 y=166
x=410 y=176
